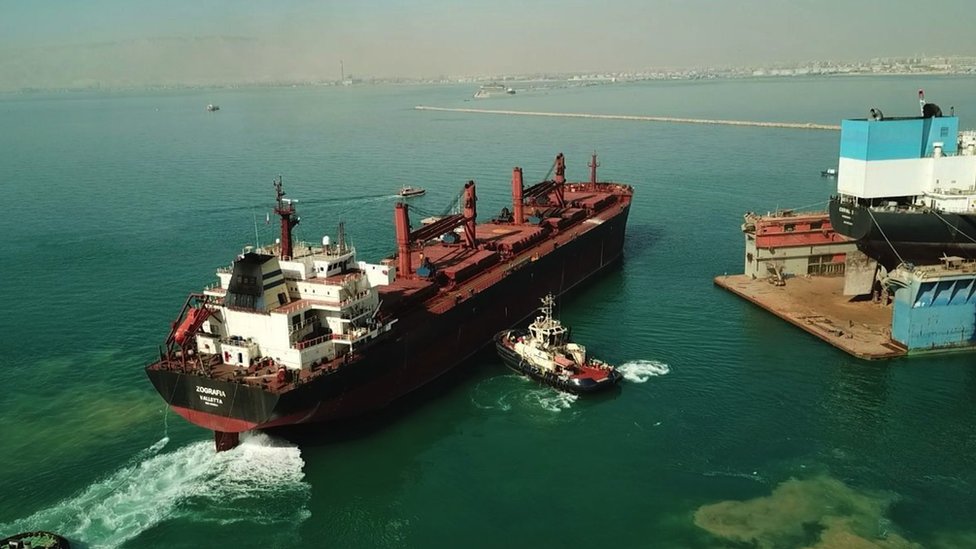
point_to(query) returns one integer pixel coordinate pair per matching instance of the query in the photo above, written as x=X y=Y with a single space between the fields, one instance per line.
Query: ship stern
x=225 y=407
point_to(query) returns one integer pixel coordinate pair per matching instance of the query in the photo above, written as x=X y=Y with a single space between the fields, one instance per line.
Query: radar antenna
x=548 y=302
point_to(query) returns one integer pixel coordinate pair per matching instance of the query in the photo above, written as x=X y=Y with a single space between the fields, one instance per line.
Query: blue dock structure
x=934 y=305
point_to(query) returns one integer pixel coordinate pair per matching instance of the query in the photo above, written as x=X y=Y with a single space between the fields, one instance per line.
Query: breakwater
x=639 y=118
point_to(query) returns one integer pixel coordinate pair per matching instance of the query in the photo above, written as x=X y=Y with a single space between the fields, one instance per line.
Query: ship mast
x=401 y=220
x=548 y=302
x=341 y=237
x=593 y=166
x=285 y=209
x=470 y=215
x=517 y=198
x=560 y=179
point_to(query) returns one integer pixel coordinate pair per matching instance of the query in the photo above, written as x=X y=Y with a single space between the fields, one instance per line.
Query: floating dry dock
x=819 y=306
x=795 y=267
x=798 y=268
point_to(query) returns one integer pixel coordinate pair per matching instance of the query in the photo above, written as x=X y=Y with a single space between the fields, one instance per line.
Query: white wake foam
x=497 y=394
x=552 y=400
x=494 y=393
x=190 y=481
x=639 y=371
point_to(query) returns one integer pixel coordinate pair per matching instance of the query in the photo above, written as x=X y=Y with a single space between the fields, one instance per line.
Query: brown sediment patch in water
x=50 y=431
x=820 y=513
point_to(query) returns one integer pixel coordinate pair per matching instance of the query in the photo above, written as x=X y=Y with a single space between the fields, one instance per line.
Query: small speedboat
x=544 y=352
x=829 y=172
x=407 y=191
x=212 y=108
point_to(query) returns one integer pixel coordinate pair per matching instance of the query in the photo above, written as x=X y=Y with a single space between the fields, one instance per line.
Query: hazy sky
x=60 y=42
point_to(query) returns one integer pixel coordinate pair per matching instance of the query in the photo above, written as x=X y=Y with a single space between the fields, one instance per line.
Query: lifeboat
x=194 y=319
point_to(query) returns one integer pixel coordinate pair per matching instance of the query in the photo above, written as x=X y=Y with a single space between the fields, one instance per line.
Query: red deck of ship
x=505 y=246
x=788 y=229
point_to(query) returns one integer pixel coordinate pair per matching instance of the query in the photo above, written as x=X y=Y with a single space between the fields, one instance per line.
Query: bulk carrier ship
x=297 y=333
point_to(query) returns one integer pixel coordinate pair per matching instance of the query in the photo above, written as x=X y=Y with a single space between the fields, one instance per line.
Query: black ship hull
x=915 y=236
x=515 y=362
x=425 y=345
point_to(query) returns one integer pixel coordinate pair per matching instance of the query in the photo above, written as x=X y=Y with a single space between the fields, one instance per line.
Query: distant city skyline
x=60 y=43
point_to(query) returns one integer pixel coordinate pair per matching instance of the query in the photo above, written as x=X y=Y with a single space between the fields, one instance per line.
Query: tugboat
x=544 y=352
x=35 y=540
x=407 y=191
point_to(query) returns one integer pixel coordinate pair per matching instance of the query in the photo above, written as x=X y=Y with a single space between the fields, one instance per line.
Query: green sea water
x=733 y=429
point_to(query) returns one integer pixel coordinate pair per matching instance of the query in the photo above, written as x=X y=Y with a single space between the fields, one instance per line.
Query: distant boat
x=211 y=107
x=407 y=191
x=491 y=90
x=829 y=172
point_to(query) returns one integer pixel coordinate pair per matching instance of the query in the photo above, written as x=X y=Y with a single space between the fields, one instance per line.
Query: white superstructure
x=547 y=346
x=318 y=304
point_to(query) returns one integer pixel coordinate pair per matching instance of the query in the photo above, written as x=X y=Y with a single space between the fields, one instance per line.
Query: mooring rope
x=801 y=208
x=957 y=229
x=876 y=224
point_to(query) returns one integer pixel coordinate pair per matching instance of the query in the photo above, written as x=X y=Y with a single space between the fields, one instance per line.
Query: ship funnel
x=519 y=216
x=401 y=221
x=470 y=214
